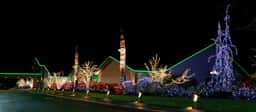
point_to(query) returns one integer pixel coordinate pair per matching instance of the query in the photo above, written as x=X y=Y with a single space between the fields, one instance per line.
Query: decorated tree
x=88 y=69
x=159 y=73
x=185 y=77
x=58 y=80
x=222 y=74
x=49 y=81
x=28 y=83
x=20 y=83
x=55 y=81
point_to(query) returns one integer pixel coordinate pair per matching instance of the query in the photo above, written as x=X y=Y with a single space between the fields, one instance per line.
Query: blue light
x=223 y=73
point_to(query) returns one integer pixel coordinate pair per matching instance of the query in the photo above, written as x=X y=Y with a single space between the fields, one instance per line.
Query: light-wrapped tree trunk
x=88 y=69
x=157 y=73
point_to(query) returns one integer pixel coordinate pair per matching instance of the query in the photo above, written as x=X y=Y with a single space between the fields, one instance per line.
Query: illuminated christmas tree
x=222 y=74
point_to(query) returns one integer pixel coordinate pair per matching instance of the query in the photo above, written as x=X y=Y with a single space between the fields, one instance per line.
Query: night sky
x=174 y=30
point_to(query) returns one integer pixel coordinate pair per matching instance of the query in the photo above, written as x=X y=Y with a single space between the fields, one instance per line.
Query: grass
x=169 y=103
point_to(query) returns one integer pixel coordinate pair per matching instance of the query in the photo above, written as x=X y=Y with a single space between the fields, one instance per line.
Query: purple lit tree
x=222 y=75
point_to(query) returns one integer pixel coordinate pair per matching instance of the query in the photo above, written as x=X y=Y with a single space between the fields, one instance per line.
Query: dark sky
x=174 y=30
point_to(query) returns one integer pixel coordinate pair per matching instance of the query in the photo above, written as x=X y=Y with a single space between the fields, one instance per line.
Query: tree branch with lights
x=88 y=69
x=159 y=73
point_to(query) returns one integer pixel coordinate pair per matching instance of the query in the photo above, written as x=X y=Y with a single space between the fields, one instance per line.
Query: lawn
x=170 y=103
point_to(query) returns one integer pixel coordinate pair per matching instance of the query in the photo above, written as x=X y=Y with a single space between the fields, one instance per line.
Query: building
x=197 y=62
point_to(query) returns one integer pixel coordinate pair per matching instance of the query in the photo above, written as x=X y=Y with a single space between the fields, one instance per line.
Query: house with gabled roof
x=198 y=63
x=110 y=68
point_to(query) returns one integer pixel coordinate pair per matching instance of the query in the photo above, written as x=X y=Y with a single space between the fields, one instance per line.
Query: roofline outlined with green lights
x=173 y=66
x=169 y=68
x=43 y=66
x=28 y=74
x=193 y=55
x=241 y=67
x=128 y=67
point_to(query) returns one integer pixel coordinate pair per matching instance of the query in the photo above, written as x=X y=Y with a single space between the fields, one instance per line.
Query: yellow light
x=139 y=95
x=98 y=72
x=189 y=108
x=195 y=98
x=108 y=92
x=87 y=92
x=140 y=106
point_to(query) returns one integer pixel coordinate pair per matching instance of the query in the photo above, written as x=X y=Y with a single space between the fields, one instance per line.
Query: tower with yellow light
x=75 y=67
x=122 y=51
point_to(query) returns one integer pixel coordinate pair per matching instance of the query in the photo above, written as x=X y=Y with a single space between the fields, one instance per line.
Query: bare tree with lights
x=185 y=77
x=58 y=80
x=159 y=73
x=88 y=69
x=49 y=81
